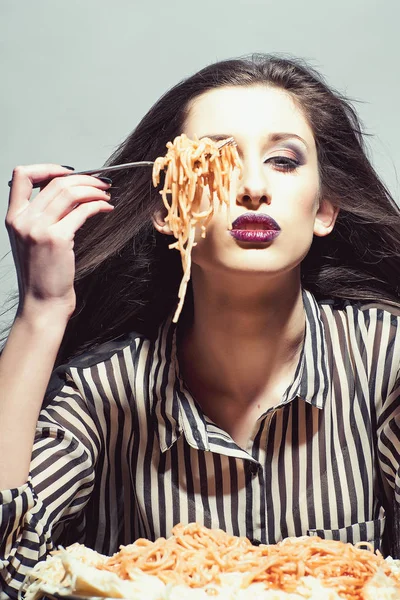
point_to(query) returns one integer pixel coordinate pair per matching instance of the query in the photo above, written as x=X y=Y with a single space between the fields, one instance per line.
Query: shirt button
x=253 y=468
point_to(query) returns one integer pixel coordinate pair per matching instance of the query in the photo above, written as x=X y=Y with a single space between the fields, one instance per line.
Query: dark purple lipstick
x=255 y=227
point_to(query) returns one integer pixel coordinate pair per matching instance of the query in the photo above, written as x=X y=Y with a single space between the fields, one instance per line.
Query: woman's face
x=280 y=180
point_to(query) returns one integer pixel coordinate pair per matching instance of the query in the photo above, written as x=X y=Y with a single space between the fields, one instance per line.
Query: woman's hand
x=42 y=233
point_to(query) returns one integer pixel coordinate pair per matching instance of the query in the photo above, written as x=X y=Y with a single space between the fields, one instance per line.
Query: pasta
x=197 y=556
x=209 y=560
x=192 y=167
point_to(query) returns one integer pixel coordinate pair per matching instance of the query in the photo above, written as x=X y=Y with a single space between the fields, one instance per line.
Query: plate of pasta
x=197 y=563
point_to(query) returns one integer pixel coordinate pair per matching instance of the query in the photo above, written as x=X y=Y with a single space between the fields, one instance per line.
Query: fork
x=142 y=163
x=131 y=165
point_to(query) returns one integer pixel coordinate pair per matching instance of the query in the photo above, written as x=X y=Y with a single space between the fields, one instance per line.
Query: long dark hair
x=127 y=278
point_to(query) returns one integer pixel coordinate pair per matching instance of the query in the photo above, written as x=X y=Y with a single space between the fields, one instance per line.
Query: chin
x=248 y=266
x=249 y=258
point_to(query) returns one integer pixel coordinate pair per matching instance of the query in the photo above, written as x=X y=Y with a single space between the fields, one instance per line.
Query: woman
x=272 y=408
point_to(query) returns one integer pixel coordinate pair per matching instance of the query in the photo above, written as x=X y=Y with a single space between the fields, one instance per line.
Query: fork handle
x=143 y=163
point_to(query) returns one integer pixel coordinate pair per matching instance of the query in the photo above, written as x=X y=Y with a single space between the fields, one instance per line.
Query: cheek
x=215 y=231
x=306 y=197
x=217 y=241
x=218 y=220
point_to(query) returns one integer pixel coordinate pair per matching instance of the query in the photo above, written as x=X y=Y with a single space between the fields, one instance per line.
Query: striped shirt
x=123 y=451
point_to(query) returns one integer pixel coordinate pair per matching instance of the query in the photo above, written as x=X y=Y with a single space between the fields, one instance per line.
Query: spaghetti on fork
x=193 y=167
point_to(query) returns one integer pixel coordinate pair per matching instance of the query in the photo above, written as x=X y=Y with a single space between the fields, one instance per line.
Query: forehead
x=246 y=111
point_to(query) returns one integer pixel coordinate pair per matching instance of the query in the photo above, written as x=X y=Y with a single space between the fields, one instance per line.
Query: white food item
x=394 y=565
x=92 y=582
x=309 y=588
x=49 y=575
x=74 y=568
x=382 y=587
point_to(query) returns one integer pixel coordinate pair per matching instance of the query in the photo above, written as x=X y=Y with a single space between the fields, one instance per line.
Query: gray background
x=77 y=76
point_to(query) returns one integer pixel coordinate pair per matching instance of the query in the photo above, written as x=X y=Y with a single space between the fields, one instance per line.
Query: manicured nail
x=10 y=183
x=105 y=180
x=67 y=167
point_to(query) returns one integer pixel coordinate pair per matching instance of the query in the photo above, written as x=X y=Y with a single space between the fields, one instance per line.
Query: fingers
x=42 y=230
x=67 y=227
x=55 y=201
x=68 y=200
x=23 y=179
x=54 y=204
x=62 y=188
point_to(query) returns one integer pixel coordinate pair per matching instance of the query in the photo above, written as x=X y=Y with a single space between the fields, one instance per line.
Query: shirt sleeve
x=60 y=484
x=389 y=439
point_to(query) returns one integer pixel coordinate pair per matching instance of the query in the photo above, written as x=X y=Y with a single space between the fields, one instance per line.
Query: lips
x=255 y=227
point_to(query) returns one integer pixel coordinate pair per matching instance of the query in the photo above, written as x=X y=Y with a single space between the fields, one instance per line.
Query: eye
x=283 y=163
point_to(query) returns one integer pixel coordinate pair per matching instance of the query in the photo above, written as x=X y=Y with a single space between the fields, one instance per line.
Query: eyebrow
x=272 y=137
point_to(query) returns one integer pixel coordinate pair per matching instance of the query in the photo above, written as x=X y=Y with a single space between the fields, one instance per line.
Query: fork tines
x=229 y=141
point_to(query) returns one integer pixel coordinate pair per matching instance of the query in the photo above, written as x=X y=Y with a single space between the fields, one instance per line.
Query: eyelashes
x=283 y=163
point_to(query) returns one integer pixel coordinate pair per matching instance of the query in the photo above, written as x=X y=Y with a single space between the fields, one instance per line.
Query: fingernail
x=67 y=167
x=105 y=180
x=10 y=183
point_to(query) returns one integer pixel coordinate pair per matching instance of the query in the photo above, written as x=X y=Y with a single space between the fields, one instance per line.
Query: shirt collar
x=311 y=381
x=176 y=412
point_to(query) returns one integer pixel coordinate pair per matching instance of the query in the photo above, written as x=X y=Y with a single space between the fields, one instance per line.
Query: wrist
x=40 y=316
x=38 y=311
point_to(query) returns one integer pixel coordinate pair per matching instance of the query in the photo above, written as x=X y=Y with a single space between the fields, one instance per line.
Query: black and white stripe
x=123 y=451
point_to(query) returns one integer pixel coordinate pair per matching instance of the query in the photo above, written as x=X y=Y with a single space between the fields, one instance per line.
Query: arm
x=59 y=485
x=389 y=441
x=388 y=452
x=42 y=240
x=25 y=368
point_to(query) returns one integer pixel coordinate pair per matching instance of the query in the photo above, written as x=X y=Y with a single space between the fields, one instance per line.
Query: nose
x=252 y=187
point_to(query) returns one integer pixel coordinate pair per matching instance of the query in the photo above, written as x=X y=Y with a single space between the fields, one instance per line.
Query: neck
x=243 y=336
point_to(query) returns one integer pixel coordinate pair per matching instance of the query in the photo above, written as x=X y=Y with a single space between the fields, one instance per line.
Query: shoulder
x=369 y=329
x=129 y=343
x=362 y=343
x=361 y=310
x=120 y=353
